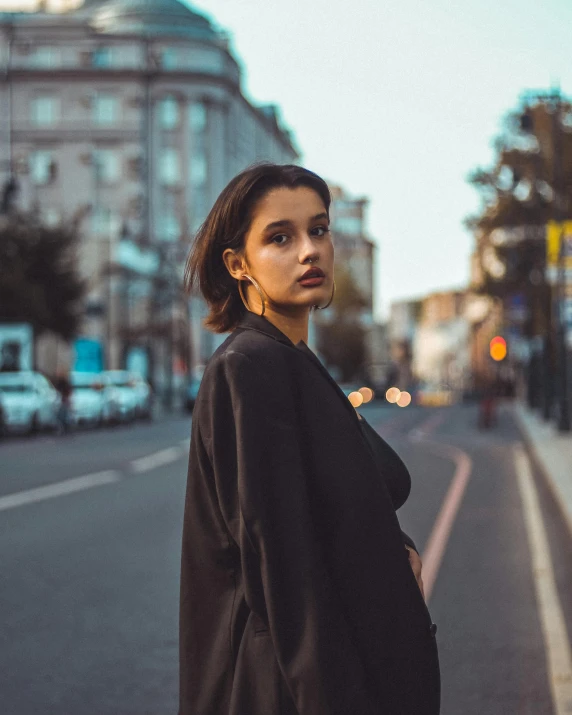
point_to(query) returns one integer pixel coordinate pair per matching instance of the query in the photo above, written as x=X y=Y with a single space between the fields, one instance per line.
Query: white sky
x=398 y=100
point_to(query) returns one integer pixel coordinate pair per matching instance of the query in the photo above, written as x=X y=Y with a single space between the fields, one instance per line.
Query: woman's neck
x=294 y=327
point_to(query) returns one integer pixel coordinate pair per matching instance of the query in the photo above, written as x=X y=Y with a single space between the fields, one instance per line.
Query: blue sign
x=88 y=355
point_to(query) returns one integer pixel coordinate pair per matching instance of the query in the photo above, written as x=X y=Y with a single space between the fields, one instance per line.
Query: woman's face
x=289 y=235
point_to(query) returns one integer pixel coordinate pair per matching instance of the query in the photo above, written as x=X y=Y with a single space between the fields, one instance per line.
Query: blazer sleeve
x=409 y=541
x=314 y=644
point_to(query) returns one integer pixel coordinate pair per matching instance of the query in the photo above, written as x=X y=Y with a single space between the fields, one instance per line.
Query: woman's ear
x=234 y=263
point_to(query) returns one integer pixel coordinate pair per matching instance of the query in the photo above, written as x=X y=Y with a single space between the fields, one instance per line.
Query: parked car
x=144 y=393
x=87 y=403
x=191 y=392
x=2 y=418
x=120 y=394
x=29 y=402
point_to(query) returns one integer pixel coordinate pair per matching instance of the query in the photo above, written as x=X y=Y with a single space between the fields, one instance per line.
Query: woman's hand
x=416 y=565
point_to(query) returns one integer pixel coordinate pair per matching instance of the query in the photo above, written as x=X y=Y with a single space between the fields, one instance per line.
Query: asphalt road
x=90 y=566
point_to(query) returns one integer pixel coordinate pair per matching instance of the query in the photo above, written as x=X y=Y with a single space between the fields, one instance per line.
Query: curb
x=539 y=464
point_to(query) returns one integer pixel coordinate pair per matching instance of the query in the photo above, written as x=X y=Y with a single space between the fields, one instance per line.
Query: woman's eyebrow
x=287 y=222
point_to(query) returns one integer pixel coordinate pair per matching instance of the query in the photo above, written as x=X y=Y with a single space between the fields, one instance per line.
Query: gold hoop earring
x=258 y=290
x=323 y=307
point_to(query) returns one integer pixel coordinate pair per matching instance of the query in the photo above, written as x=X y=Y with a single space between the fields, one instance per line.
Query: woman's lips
x=313 y=281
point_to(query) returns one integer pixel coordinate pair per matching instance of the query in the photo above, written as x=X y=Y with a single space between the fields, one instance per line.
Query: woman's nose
x=309 y=252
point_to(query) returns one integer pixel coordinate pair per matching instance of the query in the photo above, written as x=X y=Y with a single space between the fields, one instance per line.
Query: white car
x=29 y=402
x=121 y=395
x=144 y=396
x=87 y=401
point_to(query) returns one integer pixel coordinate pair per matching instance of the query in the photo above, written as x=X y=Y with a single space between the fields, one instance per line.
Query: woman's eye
x=278 y=239
x=321 y=230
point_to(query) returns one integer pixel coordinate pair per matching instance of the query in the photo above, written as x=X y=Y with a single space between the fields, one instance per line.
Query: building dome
x=151 y=17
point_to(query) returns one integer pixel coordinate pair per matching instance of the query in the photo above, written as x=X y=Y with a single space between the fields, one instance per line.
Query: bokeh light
x=356 y=398
x=392 y=395
x=366 y=393
x=404 y=399
x=498 y=348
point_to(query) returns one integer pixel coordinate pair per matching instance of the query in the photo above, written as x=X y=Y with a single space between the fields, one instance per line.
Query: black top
x=390 y=465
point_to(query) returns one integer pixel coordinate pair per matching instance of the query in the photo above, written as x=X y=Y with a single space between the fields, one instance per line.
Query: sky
x=398 y=101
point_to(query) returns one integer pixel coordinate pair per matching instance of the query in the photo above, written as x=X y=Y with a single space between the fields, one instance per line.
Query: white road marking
x=58 y=489
x=427 y=427
x=437 y=543
x=157 y=459
x=434 y=551
x=556 y=641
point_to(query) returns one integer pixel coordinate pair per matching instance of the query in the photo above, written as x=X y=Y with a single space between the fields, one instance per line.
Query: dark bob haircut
x=226 y=226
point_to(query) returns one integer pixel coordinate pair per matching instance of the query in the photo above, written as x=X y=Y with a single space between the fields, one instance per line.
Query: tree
x=342 y=340
x=39 y=279
x=529 y=184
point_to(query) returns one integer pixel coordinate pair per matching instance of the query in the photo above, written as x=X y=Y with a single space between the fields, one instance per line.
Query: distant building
x=441 y=347
x=402 y=328
x=130 y=115
x=355 y=251
x=354 y=259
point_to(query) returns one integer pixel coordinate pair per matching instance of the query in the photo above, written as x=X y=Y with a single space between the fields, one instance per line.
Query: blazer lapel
x=251 y=321
x=305 y=350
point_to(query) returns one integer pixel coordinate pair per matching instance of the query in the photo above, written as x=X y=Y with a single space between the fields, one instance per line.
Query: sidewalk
x=553 y=453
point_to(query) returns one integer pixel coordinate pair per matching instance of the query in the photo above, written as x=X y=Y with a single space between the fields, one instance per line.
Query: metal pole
x=563 y=397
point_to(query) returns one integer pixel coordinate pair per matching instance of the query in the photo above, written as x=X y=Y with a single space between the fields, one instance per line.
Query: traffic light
x=498 y=348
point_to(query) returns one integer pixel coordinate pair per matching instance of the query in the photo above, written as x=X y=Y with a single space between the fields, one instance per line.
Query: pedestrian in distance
x=300 y=594
x=63 y=386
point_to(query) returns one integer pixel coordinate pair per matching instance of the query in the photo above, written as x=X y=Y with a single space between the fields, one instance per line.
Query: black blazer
x=296 y=591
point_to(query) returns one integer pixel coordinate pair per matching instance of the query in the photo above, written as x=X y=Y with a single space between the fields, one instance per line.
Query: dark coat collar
x=251 y=321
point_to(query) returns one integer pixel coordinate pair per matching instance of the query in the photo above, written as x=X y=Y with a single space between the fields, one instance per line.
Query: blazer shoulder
x=251 y=346
x=249 y=363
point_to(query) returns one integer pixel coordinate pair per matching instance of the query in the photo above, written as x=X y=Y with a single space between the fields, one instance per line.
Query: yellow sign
x=556 y=233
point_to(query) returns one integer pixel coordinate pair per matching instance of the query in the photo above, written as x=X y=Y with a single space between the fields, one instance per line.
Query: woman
x=297 y=594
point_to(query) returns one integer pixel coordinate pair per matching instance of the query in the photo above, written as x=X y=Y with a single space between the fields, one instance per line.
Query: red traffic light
x=497 y=348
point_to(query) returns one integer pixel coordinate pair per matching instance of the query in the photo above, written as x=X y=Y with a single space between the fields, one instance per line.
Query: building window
x=105 y=109
x=102 y=57
x=170 y=166
x=197 y=117
x=43 y=168
x=169 y=113
x=168 y=218
x=107 y=165
x=170 y=226
x=45 y=110
x=46 y=57
x=104 y=221
x=169 y=58
x=198 y=170
x=350 y=225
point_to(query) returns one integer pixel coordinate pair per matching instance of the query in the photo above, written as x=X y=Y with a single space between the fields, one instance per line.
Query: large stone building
x=130 y=115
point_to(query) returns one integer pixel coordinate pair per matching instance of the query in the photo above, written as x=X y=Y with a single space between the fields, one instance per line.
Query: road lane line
x=427 y=427
x=157 y=459
x=556 y=642
x=58 y=489
x=437 y=542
